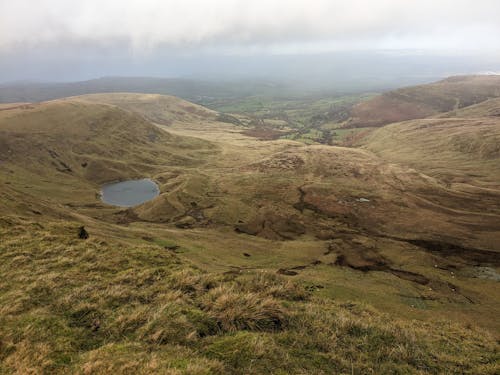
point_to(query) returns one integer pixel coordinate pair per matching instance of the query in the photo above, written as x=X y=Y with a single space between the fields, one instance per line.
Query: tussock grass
x=235 y=310
x=96 y=307
x=273 y=285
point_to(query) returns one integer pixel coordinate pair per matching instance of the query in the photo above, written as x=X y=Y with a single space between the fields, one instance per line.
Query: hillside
x=256 y=257
x=425 y=100
x=460 y=148
x=101 y=306
x=65 y=149
x=451 y=149
x=487 y=108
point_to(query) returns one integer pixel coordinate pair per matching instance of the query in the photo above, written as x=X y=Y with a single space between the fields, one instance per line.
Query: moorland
x=344 y=234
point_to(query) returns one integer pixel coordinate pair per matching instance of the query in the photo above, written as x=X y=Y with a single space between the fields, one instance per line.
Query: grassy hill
x=425 y=100
x=257 y=256
x=161 y=109
x=452 y=149
x=63 y=150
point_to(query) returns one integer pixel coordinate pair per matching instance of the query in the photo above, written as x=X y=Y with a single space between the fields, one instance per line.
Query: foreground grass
x=93 y=307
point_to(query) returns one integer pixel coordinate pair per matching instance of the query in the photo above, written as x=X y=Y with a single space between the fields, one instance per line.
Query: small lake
x=129 y=193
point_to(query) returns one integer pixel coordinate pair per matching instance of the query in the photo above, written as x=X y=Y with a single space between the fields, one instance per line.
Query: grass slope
x=488 y=108
x=98 y=306
x=461 y=150
x=452 y=149
x=423 y=101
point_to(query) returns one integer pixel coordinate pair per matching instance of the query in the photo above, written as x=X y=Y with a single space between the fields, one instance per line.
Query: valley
x=386 y=237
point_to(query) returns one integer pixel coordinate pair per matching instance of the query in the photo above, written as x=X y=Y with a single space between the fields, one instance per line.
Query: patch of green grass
x=165 y=243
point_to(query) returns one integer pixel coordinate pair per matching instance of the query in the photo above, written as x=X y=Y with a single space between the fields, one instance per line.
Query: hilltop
x=160 y=109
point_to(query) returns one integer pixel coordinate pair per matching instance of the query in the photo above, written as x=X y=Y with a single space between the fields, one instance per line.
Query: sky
x=64 y=39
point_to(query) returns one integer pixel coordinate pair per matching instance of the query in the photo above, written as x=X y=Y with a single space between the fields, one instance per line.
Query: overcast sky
x=45 y=31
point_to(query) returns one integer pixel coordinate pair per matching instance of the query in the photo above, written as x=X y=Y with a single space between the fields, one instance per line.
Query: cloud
x=236 y=25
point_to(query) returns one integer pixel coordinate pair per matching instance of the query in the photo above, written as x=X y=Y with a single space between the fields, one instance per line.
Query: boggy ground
x=387 y=228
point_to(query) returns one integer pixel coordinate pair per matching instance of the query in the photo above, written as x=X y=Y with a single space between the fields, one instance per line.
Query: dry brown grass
x=235 y=310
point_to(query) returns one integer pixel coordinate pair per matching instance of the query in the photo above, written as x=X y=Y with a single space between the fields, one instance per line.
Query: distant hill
x=425 y=100
x=161 y=109
x=190 y=89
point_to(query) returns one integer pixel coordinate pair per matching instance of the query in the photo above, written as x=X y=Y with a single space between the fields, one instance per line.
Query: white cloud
x=144 y=25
